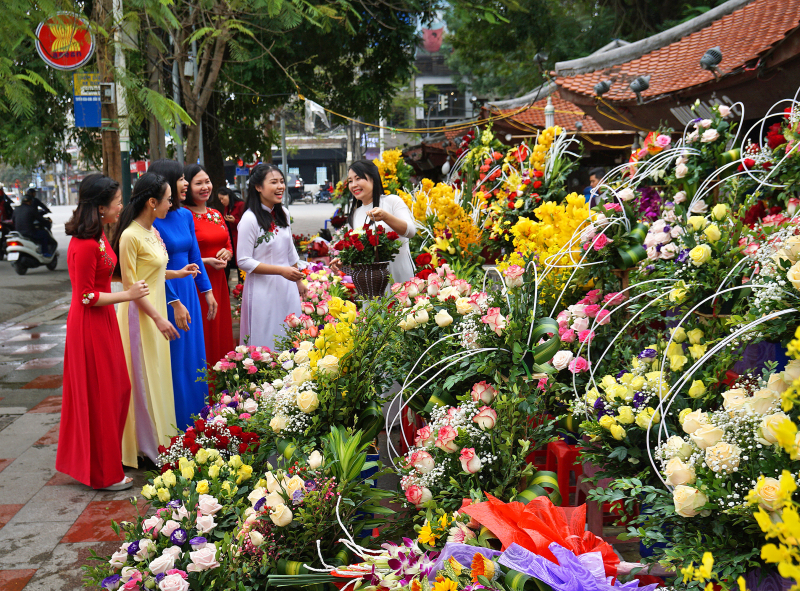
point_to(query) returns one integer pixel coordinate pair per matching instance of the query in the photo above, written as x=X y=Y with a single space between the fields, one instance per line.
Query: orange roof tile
x=742 y=35
x=566 y=114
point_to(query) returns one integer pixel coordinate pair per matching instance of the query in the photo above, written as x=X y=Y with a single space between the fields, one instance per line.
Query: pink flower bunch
x=578 y=365
x=495 y=320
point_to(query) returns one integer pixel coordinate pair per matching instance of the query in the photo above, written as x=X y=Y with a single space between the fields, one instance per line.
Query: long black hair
x=96 y=190
x=171 y=170
x=189 y=172
x=149 y=186
x=233 y=197
x=253 y=202
x=366 y=169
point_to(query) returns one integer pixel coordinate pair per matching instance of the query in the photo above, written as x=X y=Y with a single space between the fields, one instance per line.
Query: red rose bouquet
x=368 y=245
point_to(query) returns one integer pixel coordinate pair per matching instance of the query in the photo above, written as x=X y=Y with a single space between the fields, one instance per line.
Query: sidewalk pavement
x=49 y=523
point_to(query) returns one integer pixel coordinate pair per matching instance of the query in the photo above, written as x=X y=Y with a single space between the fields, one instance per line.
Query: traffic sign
x=242 y=171
x=65 y=41
x=86 y=99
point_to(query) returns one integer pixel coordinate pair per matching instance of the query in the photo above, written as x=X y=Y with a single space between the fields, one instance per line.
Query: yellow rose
x=407 y=323
x=674 y=349
x=678 y=334
x=688 y=500
x=229 y=489
x=148 y=491
x=792 y=247
x=676 y=362
x=712 y=233
x=617 y=391
x=677 y=295
x=678 y=447
x=443 y=318
x=765 y=400
x=695 y=336
x=202 y=487
x=793 y=275
x=637 y=383
x=706 y=436
x=693 y=420
x=328 y=365
x=678 y=473
x=644 y=417
x=293 y=484
x=273 y=500
x=163 y=495
x=723 y=457
x=463 y=306
x=213 y=471
x=608 y=382
x=697 y=389
x=301 y=357
x=244 y=472
x=777 y=384
x=683 y=414
x=300 y=375
x=169 y=478
x=767 y=493
x=158 y=482
x=625 y=415
x=700 y=255
x=308 y=401
x=769 y=426
x=734 y=399
x=591 y=396
x=213 y=454
x=201 y=456
x=697 y=222
x=607 y=421
x=617 y=432
x=792 y=370
x=235 y=461
x=697 y=351
x=187 y=472
x=626 y=379
x=277 y=423
x=719 y=211
x=281 y=516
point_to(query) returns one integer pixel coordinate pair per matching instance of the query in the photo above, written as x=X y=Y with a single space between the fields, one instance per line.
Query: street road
x=19 y=294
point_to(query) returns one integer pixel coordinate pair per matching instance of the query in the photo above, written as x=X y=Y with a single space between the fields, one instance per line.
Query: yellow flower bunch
x=344 y=311
x=334 y=339
x=543 y=144
x=389 y=168
x=545 y=238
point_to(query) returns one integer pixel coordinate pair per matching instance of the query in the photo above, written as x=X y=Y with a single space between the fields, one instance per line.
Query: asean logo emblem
x=65 y=41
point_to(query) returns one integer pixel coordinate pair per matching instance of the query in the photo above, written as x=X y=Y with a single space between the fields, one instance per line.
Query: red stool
x=409 y=423
x=563 y=459
x=537 y=457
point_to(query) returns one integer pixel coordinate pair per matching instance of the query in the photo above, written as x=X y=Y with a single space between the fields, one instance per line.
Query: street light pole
x=284 y=155
x=176 y=96
x=122 y=106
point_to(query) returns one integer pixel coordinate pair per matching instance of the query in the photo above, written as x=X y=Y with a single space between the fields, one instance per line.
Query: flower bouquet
x=241 y=368
x=366 y=254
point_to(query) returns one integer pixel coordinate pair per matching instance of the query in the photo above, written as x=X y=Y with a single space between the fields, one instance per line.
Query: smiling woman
x=215 y=250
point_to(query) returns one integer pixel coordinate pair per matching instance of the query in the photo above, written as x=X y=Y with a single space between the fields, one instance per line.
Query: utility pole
x=382 y=136
x=176 y=96
x=103 y=13
x=201 y=155
x=122 y=106
x=284 y=155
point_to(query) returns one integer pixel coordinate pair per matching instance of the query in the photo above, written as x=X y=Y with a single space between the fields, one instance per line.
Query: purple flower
x=260 y=503
x=178 y=537
x=647 y=354
x=310 y=485
x=176 y=504
x=198 y=542
x=638 y=400
x=224 y=392
x=682 y=255
x=204 y=412
x=133 y=548
x=159 y=576
x=233 y=404
x=111 y=582
x=298 y=496
x=621 y=373
x=293 y=350
x=600 y=408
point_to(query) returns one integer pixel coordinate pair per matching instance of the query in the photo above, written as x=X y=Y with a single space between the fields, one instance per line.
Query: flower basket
x=370 y=279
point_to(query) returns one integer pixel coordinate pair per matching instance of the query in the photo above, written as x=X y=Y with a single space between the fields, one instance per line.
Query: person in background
x=216 y=250
x=143 y=324
x=188 y=353
x=591 y=193
x=37 y=202
x=266 y=253
x=29 y=221
x=97 y=388
x=232 y=210
x=6 y=214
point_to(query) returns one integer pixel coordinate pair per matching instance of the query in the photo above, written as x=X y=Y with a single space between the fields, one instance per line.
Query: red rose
x=423 y=259
x=223 y=442
x=393 y=235
x=340 y=245
x=538 y=173
x=358 y=246
x=749 y=162
x=166 y=467
x=162 y=449
x=243 y=448
x=373 y=240
x=423 y=274
x=200 y=424
x=195 y=448
x=537 y=184
x=235 y=431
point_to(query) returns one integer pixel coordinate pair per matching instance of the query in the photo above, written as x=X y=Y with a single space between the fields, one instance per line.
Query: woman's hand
x=377 y=214
x=212 y=305
x=336 y=264
x=138 y=290
x=224 y=254
x=302 y=288
x=165 y=327
x=292 y=274
x=182 y=318
x=190 y=270
x=229 y=218
x=215 y=263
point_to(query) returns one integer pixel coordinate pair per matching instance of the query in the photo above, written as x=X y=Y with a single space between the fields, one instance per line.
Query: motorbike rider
x=30 y=222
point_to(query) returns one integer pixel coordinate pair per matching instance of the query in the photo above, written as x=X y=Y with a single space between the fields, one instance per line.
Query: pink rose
x=580 y=324
x=422 y=461
x=462 y=286
x=306 y=321
x=591 y=311
x=600 y=242
x=612 y=206
x=244 y=416
x=307 y=307
x=417 y=495
x=578 y=365
x=292 y=320
x=567 y=335
x=322 y=309
x=152 y=524
x=486 y=418
x=252 y=369
x=603 y=317
x=478 y=300
x=615 y=299
x=412 y=289
x=396 y=287
x=403 y=298
x=542 y=384
x=514 y=275
x=563 y=316
x=173 y=583
x=792 y=205
x=208 y=505
x=495 y=320
x=483 y=392
x=256 y=355
x=586 y=336
x=578 y=310
x=470 y=462
x=445 y=439
x=433 y=287
x=424 y=436
x=169 y=527
x=203 y=559
x=662 y=141
x=594 y=295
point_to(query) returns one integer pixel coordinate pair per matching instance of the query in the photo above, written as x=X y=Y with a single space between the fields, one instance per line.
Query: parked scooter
x=23 y=253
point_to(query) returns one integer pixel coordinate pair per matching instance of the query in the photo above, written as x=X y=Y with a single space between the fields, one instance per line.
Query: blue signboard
x=242 y=171
x=86 y=99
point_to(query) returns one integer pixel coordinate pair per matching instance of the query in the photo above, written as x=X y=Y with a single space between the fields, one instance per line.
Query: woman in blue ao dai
x=188 y=353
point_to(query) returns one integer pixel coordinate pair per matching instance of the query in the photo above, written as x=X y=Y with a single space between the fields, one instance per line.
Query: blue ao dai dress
x=188 y=353
x=266 y=299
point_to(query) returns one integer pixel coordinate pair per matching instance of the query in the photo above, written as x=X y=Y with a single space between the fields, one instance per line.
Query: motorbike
x=23 y=253
x=323 y=196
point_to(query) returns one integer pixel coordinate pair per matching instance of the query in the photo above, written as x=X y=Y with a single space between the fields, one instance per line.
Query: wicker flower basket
x=370 y=279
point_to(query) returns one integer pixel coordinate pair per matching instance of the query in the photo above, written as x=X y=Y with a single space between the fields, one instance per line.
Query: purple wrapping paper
x=463 y=553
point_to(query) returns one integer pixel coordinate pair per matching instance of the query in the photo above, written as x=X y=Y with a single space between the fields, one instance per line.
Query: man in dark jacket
x=31 y=223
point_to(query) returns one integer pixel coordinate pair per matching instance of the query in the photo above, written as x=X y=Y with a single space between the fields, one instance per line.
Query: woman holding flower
x=371 y=206
x=267 y=254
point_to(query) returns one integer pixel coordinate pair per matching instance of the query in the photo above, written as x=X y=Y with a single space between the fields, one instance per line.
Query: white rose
x=626 y=195
x=277 y=423
x=694 y=420
x=688 y=500
x=681 y=171
x=300 y=375
x=250 y=405
x=734 y=399
x=242 y=349
x=308 y=401
x=281 y=516
x=208 y=505
x=118 y=559
x=174 y=582
x=205 y=523
x=709 y=135
x=680 y=197
x=699 y=206
x=443 y=318
x=678 y=473
x=463 y=306
x=146 y=549
x=769 y=426
x=162 y=564
x=421 y=317
x=293 y=484
x=724 y=111
x=723 y=457
x=305 y=346
x=561 y=359
x=301 y=357
x=272 y=482
x=678 y=447
x=203 y=559
x=256 y=494
x=315 y=460
x=707 y=435
x=765 y=400
x=256 y=538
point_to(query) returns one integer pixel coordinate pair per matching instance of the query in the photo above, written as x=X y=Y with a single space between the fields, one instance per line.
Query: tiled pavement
x=49 y=523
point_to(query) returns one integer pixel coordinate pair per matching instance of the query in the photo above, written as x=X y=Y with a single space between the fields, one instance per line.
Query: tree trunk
x=158 y=148
x=112 y=157
x=215 y=162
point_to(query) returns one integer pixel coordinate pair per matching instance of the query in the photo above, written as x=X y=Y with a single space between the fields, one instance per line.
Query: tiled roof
x=565 y=116
x=742 y=35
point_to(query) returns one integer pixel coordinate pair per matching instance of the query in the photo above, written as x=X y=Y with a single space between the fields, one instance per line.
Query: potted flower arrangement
x=366 y=254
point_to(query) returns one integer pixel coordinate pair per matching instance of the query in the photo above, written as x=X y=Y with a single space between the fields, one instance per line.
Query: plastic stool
x=537 y=457
x=563 y=459
x=409 y=423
